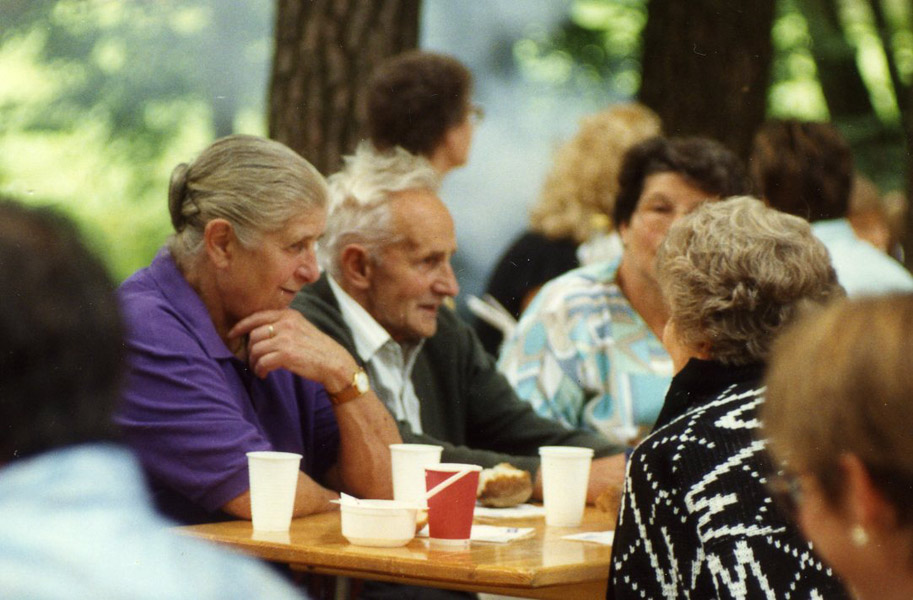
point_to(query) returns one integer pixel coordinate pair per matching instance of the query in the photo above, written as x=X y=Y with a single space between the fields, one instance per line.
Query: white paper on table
x=514 y=512
x=492 y=533
x=598 y=537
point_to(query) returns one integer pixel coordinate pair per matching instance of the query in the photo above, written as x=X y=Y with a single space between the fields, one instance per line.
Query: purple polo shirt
x=192 y=410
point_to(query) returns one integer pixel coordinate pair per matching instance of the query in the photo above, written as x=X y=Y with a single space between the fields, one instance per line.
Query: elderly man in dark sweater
x=386 y=254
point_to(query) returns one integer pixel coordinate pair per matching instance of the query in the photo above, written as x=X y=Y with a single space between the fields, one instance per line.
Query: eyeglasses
x=786 y=491
x=476 y=114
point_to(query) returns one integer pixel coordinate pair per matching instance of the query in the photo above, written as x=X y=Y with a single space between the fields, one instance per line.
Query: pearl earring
x=859 y=536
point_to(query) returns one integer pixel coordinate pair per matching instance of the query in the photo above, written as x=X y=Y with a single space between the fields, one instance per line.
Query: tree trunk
x=845 y=92
x=325 y=52
x=706 y=67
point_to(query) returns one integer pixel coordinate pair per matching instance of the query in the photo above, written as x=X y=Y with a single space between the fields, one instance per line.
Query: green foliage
x=794 y=90
x=596 y=50
x=99 y=100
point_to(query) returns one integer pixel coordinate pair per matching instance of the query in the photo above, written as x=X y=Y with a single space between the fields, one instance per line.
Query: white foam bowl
x=381 y=523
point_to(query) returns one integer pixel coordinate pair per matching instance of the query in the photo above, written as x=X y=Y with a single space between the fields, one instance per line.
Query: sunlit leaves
x=597 y=50
x=794 y=90
x=99 y=99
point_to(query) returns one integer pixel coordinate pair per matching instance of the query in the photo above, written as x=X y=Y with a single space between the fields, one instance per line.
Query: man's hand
x=606 y=474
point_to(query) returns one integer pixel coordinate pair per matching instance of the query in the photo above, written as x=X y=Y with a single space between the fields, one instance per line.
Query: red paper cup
x=450 y=511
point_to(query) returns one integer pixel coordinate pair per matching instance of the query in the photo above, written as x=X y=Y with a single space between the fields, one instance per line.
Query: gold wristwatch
x=359 y=386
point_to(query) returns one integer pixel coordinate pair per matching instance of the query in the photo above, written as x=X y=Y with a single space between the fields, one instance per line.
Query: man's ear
x=356 y=266
x=219 y=241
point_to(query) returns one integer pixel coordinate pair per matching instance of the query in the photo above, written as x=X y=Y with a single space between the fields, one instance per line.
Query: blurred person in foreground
x=386 y=255
x=806 y=169
x=587 y=351
x=696 y=519
x=839 y=419
x=219 y=364
x=77 y=519
x=570 y=224
x=422 y=102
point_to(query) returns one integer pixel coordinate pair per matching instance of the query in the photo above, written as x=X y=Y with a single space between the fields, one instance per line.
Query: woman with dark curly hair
x=586 y=352
x=696 y=519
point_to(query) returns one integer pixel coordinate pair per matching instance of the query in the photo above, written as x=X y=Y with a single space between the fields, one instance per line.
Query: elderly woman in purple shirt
x=220 y=366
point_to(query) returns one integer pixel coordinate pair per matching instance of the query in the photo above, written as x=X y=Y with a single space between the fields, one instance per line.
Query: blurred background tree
x=99 y=99
x=324 y=56
x=847 y=61
x=706 y=66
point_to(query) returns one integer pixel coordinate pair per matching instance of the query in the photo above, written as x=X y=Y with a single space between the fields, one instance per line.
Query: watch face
x=361 y=382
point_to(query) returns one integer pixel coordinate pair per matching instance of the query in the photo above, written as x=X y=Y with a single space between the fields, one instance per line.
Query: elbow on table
x=239 y=507
x=367 y=481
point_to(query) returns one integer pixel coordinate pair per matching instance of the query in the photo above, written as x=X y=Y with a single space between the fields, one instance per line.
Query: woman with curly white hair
x=696 y=519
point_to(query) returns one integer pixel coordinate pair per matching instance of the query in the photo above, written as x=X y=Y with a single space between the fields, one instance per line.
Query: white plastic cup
x=273 y=481
x=565 y=478
x=409 y=462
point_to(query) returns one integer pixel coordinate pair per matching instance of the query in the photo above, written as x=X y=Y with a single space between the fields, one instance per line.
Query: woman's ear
x=356 y=267
x=865 y=504
x=219 y=242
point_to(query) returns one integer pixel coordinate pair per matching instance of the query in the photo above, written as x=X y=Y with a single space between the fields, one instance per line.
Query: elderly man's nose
x=447 y=283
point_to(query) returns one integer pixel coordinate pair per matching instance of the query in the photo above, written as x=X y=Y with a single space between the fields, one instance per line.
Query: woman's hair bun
x=177 y=191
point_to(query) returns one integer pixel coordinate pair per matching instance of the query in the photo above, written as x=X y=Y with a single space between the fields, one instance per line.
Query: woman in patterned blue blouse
x=586 y=352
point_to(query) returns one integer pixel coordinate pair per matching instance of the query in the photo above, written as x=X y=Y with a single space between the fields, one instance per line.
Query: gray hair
x=733 y=273
x=254 y=183
x=360 y=197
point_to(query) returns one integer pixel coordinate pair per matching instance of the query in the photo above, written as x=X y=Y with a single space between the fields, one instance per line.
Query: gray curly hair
x=733 y=273
x=360 y=197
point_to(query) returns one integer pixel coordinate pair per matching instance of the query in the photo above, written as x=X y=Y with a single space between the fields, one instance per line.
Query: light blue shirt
x=77 y=523
x=581 y=355
x=862 y=269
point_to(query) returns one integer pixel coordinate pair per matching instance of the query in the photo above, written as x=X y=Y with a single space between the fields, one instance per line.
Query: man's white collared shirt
x=389 y=365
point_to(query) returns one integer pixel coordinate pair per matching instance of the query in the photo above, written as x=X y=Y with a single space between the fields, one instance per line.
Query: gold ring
x=272 y=331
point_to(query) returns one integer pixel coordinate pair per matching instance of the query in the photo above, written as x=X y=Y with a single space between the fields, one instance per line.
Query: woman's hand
x=285 y=339
x=280 y=339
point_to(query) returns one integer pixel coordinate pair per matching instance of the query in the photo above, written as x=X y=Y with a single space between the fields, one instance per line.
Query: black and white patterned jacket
x=696 y=520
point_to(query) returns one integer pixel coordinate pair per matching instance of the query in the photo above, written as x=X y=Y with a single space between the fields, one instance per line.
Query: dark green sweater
x=467 y=406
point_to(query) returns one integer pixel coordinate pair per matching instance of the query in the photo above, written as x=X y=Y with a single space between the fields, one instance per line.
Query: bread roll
x=504 y=486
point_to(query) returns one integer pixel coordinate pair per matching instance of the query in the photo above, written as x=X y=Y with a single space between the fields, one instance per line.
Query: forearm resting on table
x=366 y=430
x=310 y=498
x=607 y=474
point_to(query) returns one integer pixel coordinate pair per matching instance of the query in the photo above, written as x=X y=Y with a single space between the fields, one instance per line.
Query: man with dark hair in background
x=77 y=521
x=806 y=169
x=422 y=102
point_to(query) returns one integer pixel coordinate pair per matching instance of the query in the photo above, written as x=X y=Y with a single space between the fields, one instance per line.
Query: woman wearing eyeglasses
x=839 y=417
x=697 y=520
